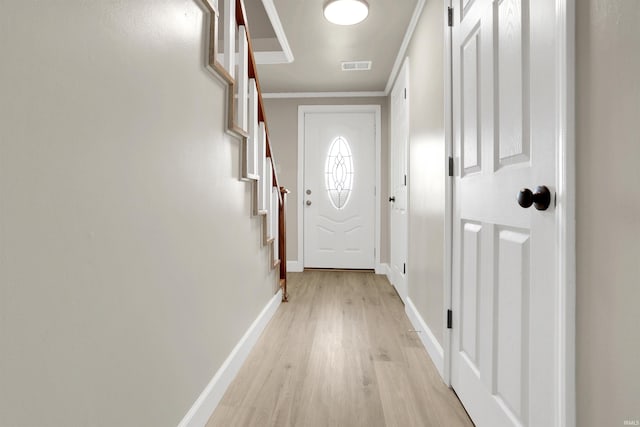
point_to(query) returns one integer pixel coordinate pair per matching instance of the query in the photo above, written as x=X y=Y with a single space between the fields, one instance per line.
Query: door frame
x=302 y=111
x=565 y=204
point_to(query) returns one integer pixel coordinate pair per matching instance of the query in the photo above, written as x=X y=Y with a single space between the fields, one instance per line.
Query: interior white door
x=339 y=185
x=506 y=345
x=398 y=182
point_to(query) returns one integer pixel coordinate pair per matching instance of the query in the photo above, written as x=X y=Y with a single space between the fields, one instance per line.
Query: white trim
x=270 y=57
x=229 y=38
x=565 y=220
x=382 y=268
x=408 y=35
x=300 y=197
x=292 y=95
x=388 y=272
x=429 y=341
x=304 y=109
x=213 y=4
x=294 y=266
x=377 y=236
x=448 y=212
x=272 y=13
x=208 y=400
x=267 y=57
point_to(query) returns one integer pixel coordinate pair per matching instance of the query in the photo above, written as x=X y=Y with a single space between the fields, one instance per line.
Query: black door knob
x=392 y=199
x=540 y=199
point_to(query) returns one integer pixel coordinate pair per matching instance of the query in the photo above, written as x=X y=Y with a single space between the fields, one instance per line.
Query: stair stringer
x=268 y=239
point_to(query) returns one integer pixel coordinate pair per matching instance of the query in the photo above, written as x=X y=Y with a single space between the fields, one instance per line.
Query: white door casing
x=339 y=189
x=398 y=175
x=511 y=342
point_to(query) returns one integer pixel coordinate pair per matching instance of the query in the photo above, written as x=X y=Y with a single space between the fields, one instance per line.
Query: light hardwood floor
x=340 y=353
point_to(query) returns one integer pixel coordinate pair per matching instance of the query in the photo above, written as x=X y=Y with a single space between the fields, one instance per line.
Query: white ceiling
x=319 y=47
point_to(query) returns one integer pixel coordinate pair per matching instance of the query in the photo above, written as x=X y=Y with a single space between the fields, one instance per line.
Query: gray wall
x=426 y=168
x=129 y=264
x=608 y=212
x=282 y=116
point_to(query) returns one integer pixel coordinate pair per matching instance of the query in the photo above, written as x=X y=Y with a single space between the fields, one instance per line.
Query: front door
x=506 y=342
x=339 y=186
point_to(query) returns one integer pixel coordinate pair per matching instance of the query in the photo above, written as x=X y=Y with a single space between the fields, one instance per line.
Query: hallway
x=341 y=353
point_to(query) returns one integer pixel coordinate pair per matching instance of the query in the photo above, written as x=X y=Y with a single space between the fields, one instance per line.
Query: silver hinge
x=450 y=16
x=450 y=166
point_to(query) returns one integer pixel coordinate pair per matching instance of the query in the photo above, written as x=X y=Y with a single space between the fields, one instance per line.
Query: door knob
x=308 y=202
x=540 y=199
x=392 y=199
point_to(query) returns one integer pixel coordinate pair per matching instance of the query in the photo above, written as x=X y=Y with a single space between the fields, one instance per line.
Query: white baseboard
x=382 y=268
x=294 y=266
x=386 y=270
x=429 y=341
x=208 y=400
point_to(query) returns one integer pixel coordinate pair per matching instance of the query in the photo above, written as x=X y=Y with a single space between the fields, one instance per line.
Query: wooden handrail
x=241 y=19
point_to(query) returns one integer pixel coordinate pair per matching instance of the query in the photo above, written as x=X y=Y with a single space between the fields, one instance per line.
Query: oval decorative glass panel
x=339 y=172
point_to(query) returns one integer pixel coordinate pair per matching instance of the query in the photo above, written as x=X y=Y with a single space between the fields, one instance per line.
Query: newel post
x=282 y=244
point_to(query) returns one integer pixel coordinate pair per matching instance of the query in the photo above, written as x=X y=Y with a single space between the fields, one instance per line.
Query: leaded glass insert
x=339 y=173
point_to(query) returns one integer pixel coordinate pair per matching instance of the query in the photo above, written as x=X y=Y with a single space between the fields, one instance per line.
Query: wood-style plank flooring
x=341 y=353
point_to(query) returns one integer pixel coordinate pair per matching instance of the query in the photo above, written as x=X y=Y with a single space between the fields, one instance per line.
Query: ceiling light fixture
x=346 y=12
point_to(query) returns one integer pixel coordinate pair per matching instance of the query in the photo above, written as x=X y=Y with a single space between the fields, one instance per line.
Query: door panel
x=512 y=321
x=512 y=82
x=470 y=292
x=470 y=93
x=339 y=185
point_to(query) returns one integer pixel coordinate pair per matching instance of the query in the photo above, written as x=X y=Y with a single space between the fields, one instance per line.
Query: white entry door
x=398 y=181
x=507 y=345
x=339 y=185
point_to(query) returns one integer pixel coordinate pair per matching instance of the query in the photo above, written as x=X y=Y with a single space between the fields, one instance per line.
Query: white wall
x=608 y=212
x=129 y=263
x=427 y=168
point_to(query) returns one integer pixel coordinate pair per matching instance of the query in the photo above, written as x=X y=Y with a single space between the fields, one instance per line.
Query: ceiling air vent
x=356 y=66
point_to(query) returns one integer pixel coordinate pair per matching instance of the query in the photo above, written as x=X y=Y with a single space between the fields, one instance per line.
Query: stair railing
x=230 y=57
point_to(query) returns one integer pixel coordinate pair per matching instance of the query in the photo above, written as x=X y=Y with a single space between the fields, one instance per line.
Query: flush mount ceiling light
x=346 y=12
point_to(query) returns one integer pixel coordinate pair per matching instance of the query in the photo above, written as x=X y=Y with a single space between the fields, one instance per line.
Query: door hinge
x=449 y=319
x=450 y=166
x=405 y=180
x=405 y=93
x=404 y=268
x=450 y=16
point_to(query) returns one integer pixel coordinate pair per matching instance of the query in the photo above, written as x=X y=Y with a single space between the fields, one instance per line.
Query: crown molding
x=404 y=46
x=289 y=95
